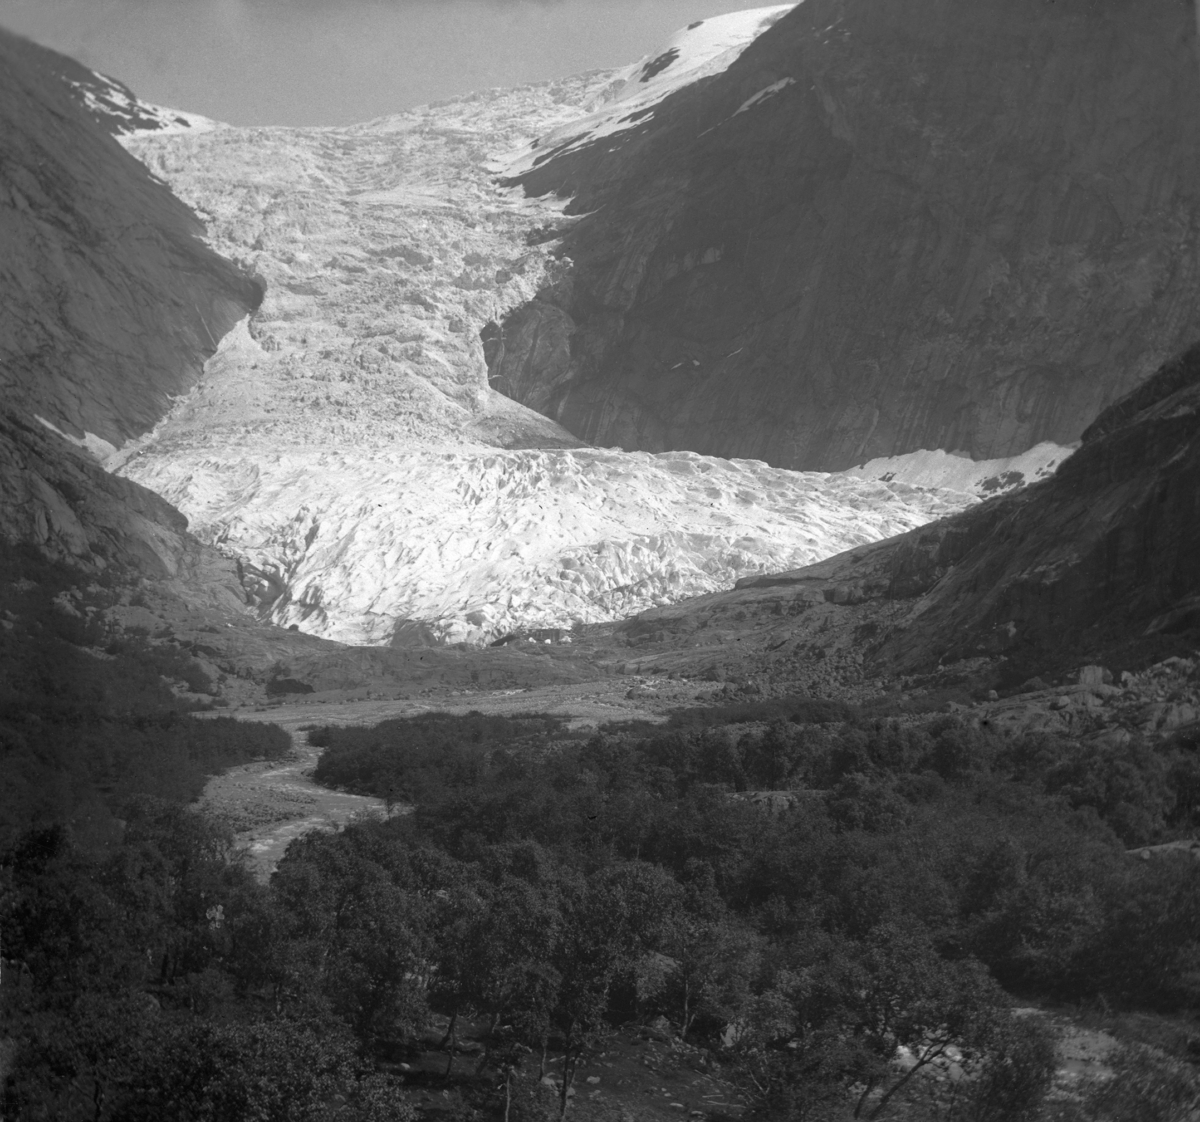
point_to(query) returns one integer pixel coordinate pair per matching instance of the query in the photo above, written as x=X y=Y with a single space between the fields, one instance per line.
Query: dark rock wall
x=966 y=224
x=64 y=505
x=109 y=301
x=1100 y=554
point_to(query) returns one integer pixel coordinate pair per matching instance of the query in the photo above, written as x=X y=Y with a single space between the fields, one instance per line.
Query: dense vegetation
x=87 y=718
x=916 y=867
x=806 y=893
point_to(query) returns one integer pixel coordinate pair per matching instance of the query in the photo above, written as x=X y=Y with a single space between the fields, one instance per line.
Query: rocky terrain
x=111 y=302
x=881 y=229
x=1097 y=559
x=109 y=305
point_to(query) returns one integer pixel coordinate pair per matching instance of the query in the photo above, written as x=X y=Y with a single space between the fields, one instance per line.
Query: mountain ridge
x=965 y=227
x=1095 y=561
x=112 y=303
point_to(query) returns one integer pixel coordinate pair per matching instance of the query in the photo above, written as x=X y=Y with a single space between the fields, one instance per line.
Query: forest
x=844 y=913
x=88 y=719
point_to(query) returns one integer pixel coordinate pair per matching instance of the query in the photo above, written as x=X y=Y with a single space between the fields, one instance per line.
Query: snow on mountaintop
x=701 y=49
x=123 y=113
x=344 y=444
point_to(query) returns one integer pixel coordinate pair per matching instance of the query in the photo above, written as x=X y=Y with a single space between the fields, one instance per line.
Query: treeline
x=906 y=874
x=1142 y=792
x=813 y=897
x=552 y=887
x=88 y=720
x=409 y=759
x=155 y=980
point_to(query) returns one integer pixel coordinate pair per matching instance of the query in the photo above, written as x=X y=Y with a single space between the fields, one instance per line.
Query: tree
x=715 y=956
x=271 y=1071
x=1146 y=1086
x=357 y=932
x=608 y=921
x=873 y=1020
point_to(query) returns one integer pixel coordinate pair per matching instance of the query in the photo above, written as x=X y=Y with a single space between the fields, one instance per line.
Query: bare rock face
x=886 y=227
x=68 y=508
x=1100 y=555
x=109 y=305
x=109 y=301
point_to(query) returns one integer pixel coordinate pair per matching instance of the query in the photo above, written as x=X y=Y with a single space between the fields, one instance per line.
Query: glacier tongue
x=344 y=444
x=477 y=543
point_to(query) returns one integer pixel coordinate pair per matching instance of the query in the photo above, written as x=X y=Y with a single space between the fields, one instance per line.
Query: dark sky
x=319 y=62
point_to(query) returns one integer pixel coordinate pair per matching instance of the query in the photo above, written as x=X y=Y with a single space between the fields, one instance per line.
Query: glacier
x=343 y=443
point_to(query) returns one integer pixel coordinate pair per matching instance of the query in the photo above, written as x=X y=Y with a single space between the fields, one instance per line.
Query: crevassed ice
x=345 y=442
x=478 y=543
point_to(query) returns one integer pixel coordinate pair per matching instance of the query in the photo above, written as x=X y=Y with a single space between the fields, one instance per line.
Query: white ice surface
x=981 y=478
x=478 y=543
x=345 y=442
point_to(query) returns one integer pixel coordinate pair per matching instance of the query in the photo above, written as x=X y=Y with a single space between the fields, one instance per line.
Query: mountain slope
x=885 y=227
x=1099 y=558
x=64 y=505
x=109 y=306
x=109 y=301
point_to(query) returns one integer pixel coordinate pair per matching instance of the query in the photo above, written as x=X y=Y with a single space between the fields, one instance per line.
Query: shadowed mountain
x=109 y=301
x=885 y=227
x=72 y=511
x=109 y=306
x=1100 y=557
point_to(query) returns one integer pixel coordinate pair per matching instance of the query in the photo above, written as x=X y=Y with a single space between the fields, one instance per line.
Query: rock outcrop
x=63 y=504
x=885 y=227
x=109 y=301
x=1097 y=558
x=109 y=306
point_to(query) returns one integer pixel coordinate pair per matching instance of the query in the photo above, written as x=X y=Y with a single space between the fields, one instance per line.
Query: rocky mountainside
x=110 y=301
x=882 y=228
x=109 y=306
x=1097 y=562
x=64 y=505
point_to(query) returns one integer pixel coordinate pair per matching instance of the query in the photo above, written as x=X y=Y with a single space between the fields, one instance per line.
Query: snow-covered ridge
x=697 y=51
x=121 y=111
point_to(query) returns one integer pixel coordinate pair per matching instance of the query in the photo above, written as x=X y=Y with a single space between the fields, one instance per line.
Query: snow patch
x=129 y=115
x=95 y=446
x=979 y=478
x=763 y=94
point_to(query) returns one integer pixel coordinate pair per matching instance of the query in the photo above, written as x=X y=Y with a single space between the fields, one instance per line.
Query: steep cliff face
x=1104 y=552
x=885 y=227
x=109 y=301
x=68 y=508
x=1101 y=555
x=109 y=306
